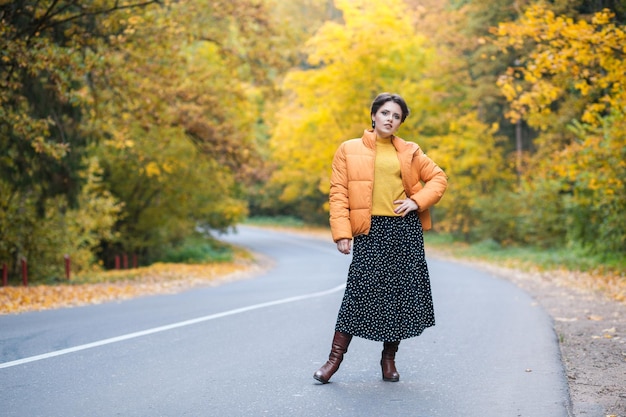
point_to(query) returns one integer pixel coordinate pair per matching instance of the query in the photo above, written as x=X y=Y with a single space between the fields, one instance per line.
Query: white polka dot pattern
x=388 y=295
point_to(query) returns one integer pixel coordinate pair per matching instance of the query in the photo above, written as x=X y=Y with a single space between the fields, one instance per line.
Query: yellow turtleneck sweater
x=387 y=179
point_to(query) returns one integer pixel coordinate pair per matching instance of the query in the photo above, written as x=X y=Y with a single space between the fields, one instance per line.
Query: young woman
x=381 y=188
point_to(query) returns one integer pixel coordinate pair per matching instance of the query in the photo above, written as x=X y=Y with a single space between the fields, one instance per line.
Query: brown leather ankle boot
x=388 y=362
x=339 y=347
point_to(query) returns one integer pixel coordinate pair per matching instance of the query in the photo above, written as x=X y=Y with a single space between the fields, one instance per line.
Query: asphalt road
x=250 y=347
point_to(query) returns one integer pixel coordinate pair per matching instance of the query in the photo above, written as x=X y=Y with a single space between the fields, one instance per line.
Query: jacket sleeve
x=339 y=205
x=433 y=182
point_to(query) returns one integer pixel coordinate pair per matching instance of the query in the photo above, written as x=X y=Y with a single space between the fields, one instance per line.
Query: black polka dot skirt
x=388 y=295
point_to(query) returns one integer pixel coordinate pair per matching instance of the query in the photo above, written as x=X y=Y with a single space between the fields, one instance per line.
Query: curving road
x=250 y=347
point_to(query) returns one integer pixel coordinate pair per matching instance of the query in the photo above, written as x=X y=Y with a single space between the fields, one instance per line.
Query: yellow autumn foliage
x=569 y=84
x=374 y=49
x=566 y=54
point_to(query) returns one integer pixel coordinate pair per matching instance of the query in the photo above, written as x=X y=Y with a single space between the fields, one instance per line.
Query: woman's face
x=388 y=119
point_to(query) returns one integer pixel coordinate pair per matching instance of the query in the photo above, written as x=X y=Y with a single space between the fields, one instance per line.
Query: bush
x=43 y=238
x=284 y=221
x=199 y=249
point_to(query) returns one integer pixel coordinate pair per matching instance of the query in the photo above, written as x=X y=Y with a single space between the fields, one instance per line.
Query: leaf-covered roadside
x=160 y=278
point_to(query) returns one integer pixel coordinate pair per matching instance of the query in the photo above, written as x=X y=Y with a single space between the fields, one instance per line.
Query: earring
x=373 y=124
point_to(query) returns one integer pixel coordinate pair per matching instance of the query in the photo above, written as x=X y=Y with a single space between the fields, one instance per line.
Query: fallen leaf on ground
x=125 y=284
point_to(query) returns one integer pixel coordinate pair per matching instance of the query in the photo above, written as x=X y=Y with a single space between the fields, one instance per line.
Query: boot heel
x=388 y=363
x=338 y=349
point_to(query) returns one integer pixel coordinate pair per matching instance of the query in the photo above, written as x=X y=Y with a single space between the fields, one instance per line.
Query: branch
x=46 y=21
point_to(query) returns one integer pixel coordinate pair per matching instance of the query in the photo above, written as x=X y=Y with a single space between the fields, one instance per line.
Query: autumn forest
x=126 y=126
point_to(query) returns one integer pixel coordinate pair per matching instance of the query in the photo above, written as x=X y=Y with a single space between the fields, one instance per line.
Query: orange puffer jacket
x=352 y=182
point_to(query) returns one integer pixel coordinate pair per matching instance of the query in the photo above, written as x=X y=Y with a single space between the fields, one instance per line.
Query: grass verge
x=571 y=267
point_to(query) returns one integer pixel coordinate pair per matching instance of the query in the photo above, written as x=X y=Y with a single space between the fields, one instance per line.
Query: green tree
x=570 y=88
x=170 y=91
x=183 y=143
x=47 y=56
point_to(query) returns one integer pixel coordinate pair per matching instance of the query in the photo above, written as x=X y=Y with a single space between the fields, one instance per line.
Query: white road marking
x=169 y=327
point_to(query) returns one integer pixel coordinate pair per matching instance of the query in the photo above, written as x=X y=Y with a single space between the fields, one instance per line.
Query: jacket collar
x=369 y=139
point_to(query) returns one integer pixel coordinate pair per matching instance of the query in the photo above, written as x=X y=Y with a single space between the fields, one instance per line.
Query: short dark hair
x=383 y=98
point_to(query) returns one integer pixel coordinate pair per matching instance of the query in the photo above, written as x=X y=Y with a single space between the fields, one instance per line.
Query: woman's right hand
x=343 y=246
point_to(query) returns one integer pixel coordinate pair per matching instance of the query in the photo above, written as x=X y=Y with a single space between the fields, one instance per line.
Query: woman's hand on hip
x=405 y=206
x=343 y=246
